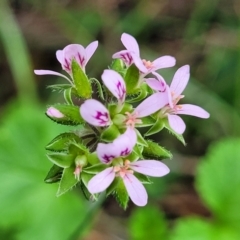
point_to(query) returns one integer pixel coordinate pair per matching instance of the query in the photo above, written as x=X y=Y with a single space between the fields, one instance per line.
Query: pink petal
x=152 y=104
x=59 y=55
x=74 y=51
x=154 y=84
x=125 y=55
x=95 y=113
x=180 y=80
x=53 y=112
x=193 y=110
x=49 y=72
x=176 y=123
x=139 y=63
x=101 y=181
x=106 y=152
x=150 y=167
x=130 y=43
x=115 y=84
x=90 y=49
x=135 y=189
x=163 y=62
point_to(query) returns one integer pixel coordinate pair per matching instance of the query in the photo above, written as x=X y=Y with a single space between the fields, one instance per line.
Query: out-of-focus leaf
x=28 y=205
x=218 y=181
x=147 y=223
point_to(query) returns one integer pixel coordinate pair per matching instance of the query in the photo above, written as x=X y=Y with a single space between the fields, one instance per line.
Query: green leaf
x=68 y=96
x=95 y=169
x=121 y=194
x=146 y=122
x=62 y=141
x=157 y=127
x=109 y=134
x=54 y=175
x=154 y=151
x=22 y=157
x=148 y=223
x=63 y=160
x=68 y=181
x=143 y=178
x=131 y=79
x=218 y=180
x=81 y=82
x=71 y=115
x=178 y=136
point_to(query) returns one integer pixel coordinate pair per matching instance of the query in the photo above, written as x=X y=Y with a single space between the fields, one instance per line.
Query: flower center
x=147 y=64
x=123 y=170
x=131 y=119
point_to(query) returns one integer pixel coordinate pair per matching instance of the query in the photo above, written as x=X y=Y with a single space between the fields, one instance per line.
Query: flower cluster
x=107 y=152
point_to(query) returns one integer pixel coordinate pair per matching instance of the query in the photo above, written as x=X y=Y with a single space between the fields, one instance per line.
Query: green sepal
x=121 y=194
x=140 y=139
x=85 y=191
x=62 y=160
x=93 y=158
x=112 y=186
x=77 y=148
x=119 y=119
x=68 y=181
x=61 y=142
x=99 y=88
x=81 y=82
x=146 y=122
x=154 y=151
x=132 y=79
x=117 y=65
x=68 y=96
x=109 y=134
x=178 y=136
x=135 y=154
x=137 y=96
x=95 y=168
x=143 y=178
x=157 y=127
x=54 y=175
x=85 y=177
x=126 y=108
x=71 y=115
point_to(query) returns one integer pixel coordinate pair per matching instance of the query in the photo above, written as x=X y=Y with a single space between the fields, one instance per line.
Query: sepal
x=121 y=194
x=63 y=160
x=61 y=142
x=118 y=66
x=154 y=151
x=109 y=134
x=132 y=79
x=54 y=175
x=157 y=127
x=95 y=168
x=81 y=82
x=71 y=115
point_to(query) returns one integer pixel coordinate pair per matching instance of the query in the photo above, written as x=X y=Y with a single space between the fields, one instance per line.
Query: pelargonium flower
x=73 y=51
x=96 y=114
x=121 y=147
x=132 y=55
x=171 y=110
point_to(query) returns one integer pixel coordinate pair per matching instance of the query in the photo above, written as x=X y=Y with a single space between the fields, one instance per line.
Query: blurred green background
x=200 y=197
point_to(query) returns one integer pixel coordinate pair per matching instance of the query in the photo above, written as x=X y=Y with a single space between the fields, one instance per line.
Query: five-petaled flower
x=73 y=51
x=171 y=110
x=132 y=55
x=123 y=168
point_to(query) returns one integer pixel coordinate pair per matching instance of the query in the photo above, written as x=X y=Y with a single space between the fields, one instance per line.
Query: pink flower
x=132 y=55
x=70 y=52
x=121 y=147
x=171 y=110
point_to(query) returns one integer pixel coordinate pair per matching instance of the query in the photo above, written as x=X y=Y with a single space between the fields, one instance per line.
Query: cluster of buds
x=107 y=152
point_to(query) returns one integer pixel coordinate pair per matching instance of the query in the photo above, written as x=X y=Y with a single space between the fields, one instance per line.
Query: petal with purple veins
x=115 y=84
x=101 y=181
x=125 y=55
x=95 y=113
x=106 y=152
